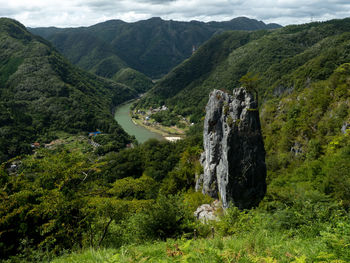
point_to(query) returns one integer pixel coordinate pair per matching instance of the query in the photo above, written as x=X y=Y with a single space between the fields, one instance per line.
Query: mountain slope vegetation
x=89 y=52
x=134 y=79
x=42 y=93
x=302 y=77
x=152 y=46
x=284 y=60
x=137 y=205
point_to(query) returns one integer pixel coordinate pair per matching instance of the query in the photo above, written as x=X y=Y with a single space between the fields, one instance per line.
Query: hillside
x=132 y=78
x=152 y=46
x=286 y=59
x=89 y=52
x=301 y=73
x=68 y=203
x=42 y=93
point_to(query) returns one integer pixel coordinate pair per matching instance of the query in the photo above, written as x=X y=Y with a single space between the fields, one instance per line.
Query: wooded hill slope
x=285 y=60
x=70 y=199
x=303 y=82
x=42 y=93
x=152 y=46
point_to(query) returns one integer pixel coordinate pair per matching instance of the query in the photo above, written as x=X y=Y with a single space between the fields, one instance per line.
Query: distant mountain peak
x=155 y=18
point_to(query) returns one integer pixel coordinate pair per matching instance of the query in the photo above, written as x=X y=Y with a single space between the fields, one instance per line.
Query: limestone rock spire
x=234 y=156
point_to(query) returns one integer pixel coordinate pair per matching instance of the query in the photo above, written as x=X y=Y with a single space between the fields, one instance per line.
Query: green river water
x=122 y=116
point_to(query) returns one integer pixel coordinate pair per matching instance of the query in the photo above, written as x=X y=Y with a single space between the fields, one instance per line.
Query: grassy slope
x=42 y=93
x=259 y=245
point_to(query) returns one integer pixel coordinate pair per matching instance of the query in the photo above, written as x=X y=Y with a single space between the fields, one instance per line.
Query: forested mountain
x=152 y=46
x=138 y=204
x=135 y=79
x=301 y=74
x=285 y=60
x=42 y=93
x=89 y=52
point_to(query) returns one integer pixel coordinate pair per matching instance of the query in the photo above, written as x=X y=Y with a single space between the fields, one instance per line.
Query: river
x=122 y=116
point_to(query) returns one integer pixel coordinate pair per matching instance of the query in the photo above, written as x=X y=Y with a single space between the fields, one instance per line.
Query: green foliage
x=193 y=200
x=153 y=159
x=187 y=78
x=89 y=256
x=229 y=121
x=123 y=164
x=107 y=67
x=308 y=120
x=87 y=51
x=68 y=197
x=167 y=118
x=249 y=82
x=103 y=214
x=133 y=79
x=40 y=202
x=167 y=218
x=8 y=68
x=182 y=177
x=129 y=188
x=159 y=158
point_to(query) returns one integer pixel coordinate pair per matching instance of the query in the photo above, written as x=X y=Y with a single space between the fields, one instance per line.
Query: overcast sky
x=72 y=13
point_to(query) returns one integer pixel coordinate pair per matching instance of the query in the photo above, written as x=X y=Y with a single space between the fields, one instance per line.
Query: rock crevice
x=234 y=156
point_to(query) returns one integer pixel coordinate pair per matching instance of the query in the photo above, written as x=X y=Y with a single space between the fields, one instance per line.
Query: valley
x=92 y=172
x=162 y=121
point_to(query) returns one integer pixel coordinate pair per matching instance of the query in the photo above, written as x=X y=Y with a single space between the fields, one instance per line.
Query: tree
x=250 y=83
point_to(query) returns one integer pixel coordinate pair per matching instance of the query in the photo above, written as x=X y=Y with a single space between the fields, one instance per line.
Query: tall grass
x=261 y=246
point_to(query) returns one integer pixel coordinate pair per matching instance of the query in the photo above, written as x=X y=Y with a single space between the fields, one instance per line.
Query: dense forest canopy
x=42 y=94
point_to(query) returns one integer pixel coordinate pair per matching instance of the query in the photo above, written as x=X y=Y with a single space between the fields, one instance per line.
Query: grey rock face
x=296 y=149
x=345 y=127
x=234 y=156
x=208 y=212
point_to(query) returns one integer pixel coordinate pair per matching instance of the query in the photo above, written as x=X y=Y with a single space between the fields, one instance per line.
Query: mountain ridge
x=137 y=204
x=152 y=46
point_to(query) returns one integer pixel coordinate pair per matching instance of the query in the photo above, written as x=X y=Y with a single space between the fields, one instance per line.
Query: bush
x=165 y=219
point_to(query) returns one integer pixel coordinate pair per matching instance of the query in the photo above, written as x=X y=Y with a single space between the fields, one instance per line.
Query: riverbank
x=144 y=129
x=122 y=116
x=169 y=133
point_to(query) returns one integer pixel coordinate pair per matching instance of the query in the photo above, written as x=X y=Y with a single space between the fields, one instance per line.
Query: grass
x=88 y=256
x=78 y=143
x=264 y=246
x=163 y=130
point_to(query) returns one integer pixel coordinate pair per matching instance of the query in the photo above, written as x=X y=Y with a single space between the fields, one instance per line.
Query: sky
x=74 y=13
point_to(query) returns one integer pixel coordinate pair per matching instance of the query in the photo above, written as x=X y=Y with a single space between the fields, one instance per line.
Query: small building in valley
x=94 y=133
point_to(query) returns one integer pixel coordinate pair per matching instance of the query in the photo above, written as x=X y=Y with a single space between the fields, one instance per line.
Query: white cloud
x=66 y=13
